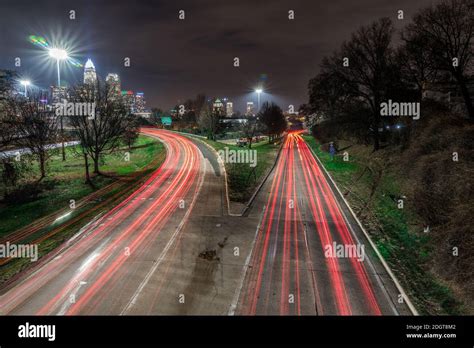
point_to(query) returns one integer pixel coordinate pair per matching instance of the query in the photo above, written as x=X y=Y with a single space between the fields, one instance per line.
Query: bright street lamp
x=25 y=83
x=258 y=91
x=58 y=54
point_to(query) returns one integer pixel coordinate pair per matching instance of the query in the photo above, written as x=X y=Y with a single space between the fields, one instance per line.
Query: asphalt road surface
x=172 y=248
x=297 y=266
x=99 y=269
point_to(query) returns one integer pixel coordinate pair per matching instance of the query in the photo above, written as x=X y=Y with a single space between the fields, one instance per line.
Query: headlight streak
x=171 y=181
x=290 y=180
x=287 y=259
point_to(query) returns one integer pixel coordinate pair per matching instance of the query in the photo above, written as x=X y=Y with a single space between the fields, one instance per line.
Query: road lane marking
x=374 y=247
x=150 y=273
x=235 y=300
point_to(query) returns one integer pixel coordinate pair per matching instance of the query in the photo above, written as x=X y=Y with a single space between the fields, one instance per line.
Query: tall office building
x=250 y=109
x=58 y=94
x=140 y=104
x=218 y=106
x=129 y=100
x=90 y=76
x=229 y=109
x=113 y=84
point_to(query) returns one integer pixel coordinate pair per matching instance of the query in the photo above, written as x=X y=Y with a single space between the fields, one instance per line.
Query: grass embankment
x=33 y=217
x=398 y=233
x=242 y=178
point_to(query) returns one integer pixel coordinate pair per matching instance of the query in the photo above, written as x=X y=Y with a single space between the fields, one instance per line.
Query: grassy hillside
x=420 y=256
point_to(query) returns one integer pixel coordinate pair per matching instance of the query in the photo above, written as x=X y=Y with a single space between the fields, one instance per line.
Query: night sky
x=172 y=59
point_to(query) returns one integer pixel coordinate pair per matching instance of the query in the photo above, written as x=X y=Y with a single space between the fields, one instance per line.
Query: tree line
x=29 y=124
x=435 y=48
x=199 y=114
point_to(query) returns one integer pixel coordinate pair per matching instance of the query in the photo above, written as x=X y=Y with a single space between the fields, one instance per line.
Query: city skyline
x=155 y=39
x=90 y=76
x=211 y=159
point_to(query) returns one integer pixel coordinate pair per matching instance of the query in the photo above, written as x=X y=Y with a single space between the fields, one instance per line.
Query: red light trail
x=84 y=271
x=124 y=262
x=302 y=216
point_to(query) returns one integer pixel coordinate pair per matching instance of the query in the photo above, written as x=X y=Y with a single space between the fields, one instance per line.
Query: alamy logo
x=345 y=251
x=27 y=251
x=37 y=331
x=75 y=109
x=392 y=108
x=238 y=156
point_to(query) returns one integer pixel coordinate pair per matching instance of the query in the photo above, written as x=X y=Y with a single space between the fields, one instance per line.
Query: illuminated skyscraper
x=218 y=106
x=250 y=109
x=90 y=76
x=229 y=109
x=140 y=104
x=113 y=84
x=129 y=100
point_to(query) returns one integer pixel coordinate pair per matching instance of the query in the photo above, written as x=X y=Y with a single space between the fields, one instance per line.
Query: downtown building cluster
x=226 y=107
x=135 y=101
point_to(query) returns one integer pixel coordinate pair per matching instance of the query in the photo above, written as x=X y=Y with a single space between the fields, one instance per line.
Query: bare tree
x=7 y=133
x=327 y=91
x=198 y=103
x=368 y=72
x=271 y=116
x=209 y=120
x=35 y=127
x=417 y=65
x=189 y=116
x=101 y=130
x=445 y=32
x=131 y=131
x=250 y=129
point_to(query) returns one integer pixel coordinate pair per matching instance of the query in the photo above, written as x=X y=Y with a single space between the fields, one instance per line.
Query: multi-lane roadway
x=172 y=248
x=99 y=268
x=309 y=256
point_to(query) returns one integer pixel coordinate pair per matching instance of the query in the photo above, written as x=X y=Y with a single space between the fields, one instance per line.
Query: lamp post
x=258 y=91
x=59 y=54
x=25 y=83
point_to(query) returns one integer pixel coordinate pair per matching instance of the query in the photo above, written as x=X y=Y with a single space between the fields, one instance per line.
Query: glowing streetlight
x=58 y=54
x=25 y=83
x=258 y=91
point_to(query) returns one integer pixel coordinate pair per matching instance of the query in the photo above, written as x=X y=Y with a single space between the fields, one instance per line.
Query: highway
x=98 y=269
x=292 y=270
x=172 y=248
x=169 y=248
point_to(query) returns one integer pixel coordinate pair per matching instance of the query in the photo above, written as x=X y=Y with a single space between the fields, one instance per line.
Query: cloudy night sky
x=172 y=59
